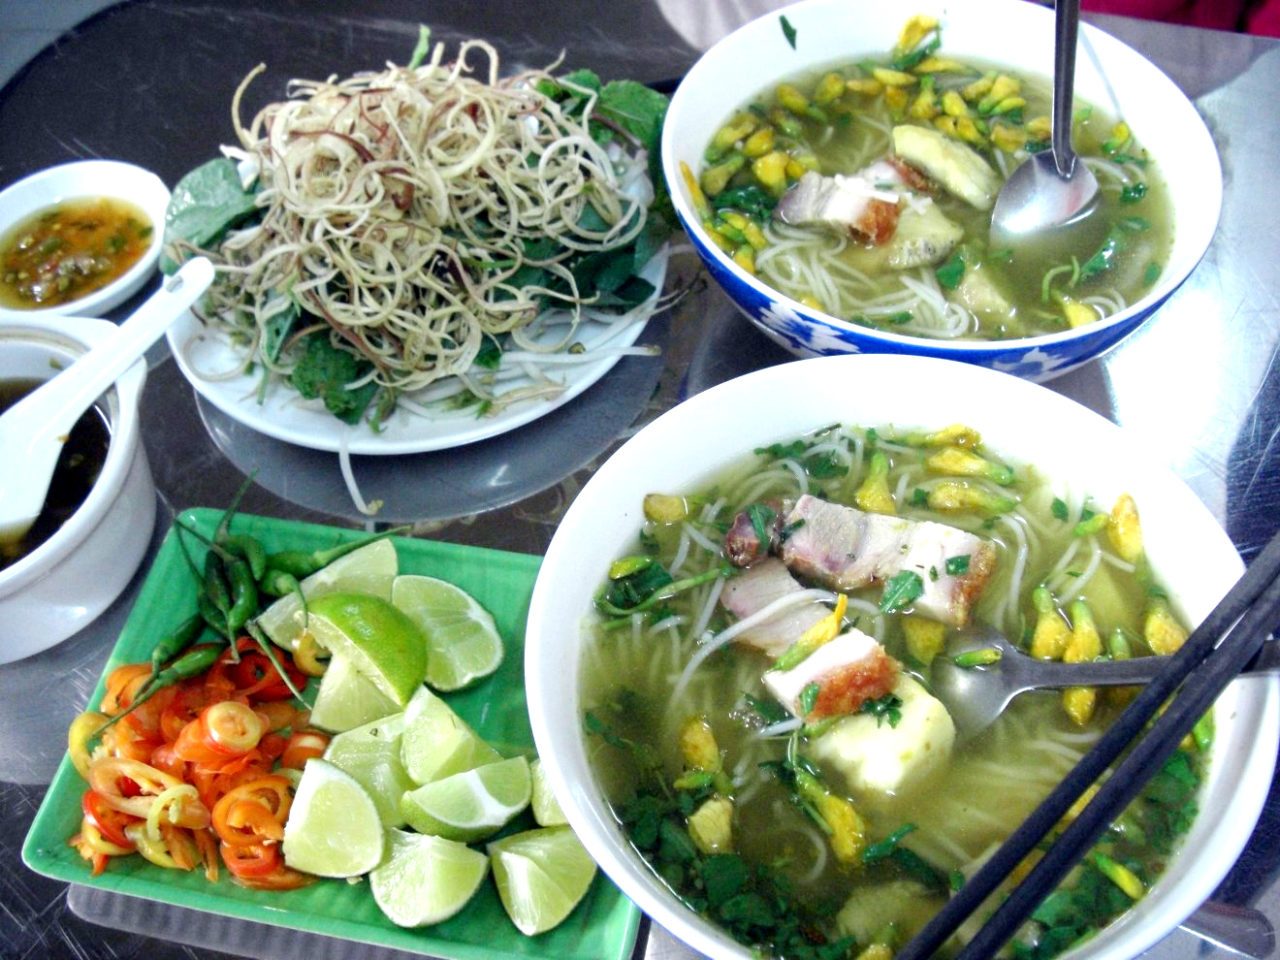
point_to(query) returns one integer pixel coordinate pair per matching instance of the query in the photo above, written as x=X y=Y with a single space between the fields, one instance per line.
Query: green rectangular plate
x=602 y=927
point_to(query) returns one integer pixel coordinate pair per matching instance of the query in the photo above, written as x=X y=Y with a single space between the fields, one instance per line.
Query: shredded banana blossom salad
x=378 y=234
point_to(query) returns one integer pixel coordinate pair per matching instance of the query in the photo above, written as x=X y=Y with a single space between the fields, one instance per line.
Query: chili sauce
x=67 y=251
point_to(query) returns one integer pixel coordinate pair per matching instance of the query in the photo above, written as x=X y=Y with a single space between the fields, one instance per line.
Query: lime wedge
x=425 y=879
x=462 y=642
x=541 y=875
x=546 y=808
x=437 y=742
x=347 y=699
x=333 y=828
x=371 y=755
x=379 y=641
x=471 y=805
x=367 y=570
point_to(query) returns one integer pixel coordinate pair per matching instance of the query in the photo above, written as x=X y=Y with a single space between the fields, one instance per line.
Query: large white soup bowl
x=1075 y=448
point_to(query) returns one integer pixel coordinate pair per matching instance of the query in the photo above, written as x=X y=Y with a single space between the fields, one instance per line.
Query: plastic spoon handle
x=102 y=365
x=34 y=430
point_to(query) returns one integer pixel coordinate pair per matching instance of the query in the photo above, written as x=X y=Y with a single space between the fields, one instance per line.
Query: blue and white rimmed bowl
x=1010 y=33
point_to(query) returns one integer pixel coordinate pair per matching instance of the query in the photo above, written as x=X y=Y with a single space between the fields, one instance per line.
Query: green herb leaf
x=1059 y=509
x=205 y=204
x=900 y=590
x=770 y=711
x=490 y=353
x=762 y=518
x=788 y=31
x=951 y=272
x=1133 y=192
x=325 y=371
x=882 y=848
x=957 y=566
x=888 y=707
x=808 y=698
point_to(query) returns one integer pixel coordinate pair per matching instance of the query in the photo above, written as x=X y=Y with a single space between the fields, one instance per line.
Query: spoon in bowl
x=1053 y=190
x=976 y=695
x=34 y=430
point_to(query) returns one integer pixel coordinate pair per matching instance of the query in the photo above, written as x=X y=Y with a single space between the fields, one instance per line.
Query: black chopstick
x=1212 y=656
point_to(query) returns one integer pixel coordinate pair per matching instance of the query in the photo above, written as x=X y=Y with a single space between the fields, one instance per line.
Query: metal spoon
x=33 y=430
x=1052 y=190
x=976 y=696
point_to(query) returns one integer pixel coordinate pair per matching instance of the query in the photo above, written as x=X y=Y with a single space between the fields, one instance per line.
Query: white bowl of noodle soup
x=1077 y=451
x=991 y=33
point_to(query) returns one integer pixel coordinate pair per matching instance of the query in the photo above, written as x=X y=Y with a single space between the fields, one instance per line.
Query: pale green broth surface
x=635 y=705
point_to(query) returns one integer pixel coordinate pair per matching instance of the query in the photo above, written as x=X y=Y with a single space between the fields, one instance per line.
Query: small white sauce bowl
x=65 y=583
x=1077 y=450
x=1009 y=33
x=90 y=178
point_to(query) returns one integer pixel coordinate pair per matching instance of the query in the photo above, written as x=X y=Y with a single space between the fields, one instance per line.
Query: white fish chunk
x=925 y=236
x=848 y=671
x=844 y=548
x=845 y=204
x=879 y=762
x=754 y=589
x=955 y=165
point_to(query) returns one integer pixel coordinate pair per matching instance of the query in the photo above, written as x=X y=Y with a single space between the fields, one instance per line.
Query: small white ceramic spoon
x=33 y=430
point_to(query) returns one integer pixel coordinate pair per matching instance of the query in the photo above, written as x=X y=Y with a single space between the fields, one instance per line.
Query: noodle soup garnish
x=757 y=687
x=865 y=190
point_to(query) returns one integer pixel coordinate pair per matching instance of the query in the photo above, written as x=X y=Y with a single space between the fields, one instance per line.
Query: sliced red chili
x=108 y=822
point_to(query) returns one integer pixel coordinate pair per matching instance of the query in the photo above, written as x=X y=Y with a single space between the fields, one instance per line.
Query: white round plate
x=284 y=415
x=90 y=178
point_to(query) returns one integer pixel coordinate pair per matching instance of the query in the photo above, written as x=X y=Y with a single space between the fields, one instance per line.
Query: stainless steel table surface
x=150 y=82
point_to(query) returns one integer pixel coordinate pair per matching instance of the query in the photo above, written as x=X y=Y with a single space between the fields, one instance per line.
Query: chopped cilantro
x=919 y=497
x=1133 y=192
x=770 y=711
x=762 y=518
x=788 y=31
x=900 y=590
x=808 y=698
x=888 y=707
x=1059 y=509
x=882 y=848
x=957 y=566
x=952 y=271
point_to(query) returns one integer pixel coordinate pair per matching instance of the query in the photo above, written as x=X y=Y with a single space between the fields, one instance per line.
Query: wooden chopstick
x=1213 y=655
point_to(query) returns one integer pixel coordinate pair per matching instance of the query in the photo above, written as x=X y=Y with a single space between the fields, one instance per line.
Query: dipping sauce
x=76 y=472
x=64 y=252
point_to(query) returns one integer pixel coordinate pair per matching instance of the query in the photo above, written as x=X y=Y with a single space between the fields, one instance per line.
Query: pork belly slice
x=844 y=549
x=855 y=204
x=848 y=671
x=754 y=589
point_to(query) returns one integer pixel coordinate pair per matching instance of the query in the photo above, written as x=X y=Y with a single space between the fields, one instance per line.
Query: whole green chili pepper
x=244 y=596
x=191 y=664
x=300 y=563
x=215 y=582
x=176 y=642
x=249 y=549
